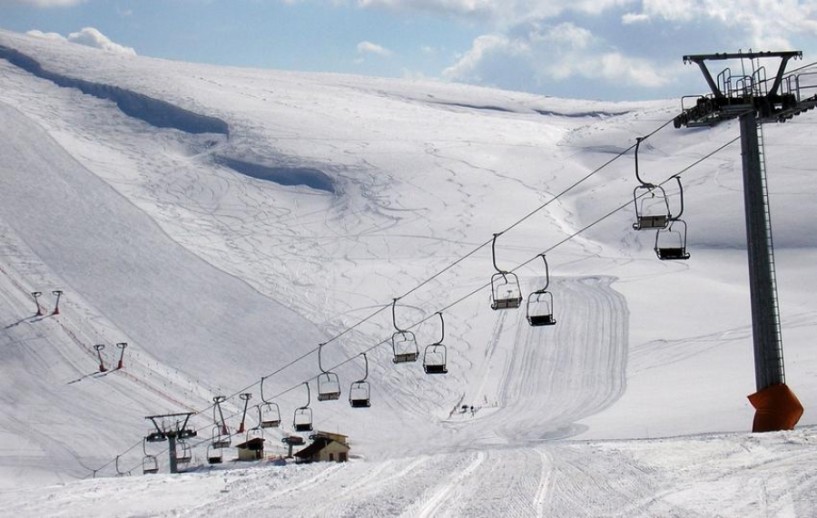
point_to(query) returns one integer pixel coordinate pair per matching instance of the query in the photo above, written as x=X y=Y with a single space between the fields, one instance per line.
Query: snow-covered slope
x=276 y=211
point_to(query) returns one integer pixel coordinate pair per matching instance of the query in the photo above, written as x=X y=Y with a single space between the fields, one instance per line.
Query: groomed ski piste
x=223 y=222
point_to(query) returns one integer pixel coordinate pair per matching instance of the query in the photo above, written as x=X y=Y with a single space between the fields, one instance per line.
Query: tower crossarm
x=725 y=102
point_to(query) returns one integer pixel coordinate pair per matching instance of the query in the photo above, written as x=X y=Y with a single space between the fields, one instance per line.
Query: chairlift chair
x=403 y=342
x=540 y=303
x=186 y=454
x=360 y=390
x=269 y=414
x=505 y=290
x=328 y=382
x=670 y=243
x=652 y=209
x=150 y=465
x=215 y=455
x=218 y=439
x=302 y=419
x=435 y=355
x=540 y=309
x=254 y=433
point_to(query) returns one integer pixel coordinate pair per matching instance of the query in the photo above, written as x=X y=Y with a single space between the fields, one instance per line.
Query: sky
x=588 y=49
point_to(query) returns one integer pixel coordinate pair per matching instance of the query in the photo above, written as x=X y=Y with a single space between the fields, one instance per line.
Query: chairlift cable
x=525 y=263
x=455 y=263
x=458 y=261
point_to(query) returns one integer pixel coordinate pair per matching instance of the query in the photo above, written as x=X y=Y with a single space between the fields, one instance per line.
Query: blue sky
x=597 y=49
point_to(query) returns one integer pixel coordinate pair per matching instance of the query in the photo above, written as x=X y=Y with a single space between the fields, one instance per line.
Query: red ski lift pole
x=37 y=295
x=121 y=346
x=58 y=294
x=99 y=348
x=246 y=397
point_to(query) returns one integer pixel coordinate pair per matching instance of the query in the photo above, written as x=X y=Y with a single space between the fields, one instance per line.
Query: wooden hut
x=252 y=449
x=325 y=447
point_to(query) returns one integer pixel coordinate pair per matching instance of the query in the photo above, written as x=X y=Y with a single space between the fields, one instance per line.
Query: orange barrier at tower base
x=776 y=408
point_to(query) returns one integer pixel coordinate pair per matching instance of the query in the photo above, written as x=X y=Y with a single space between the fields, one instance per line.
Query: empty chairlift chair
x=505 y=290
x=256 y=432
x=302 y=419
x=269 y=414
x=652 y=209
x=671 y=242
x=436 y=354
x=328 y=382
x=540 y=303
x=150 y=464
x=360 y=390
x=186 y=454
x=403 y=342
x=215 y=454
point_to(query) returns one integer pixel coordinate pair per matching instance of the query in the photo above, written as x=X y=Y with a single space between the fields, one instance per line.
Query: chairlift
x=435 y=356
x=219 y=440
x=302 y=420
x=505 y=290
x=269 y=414
x=652 y=209
x=255 y=432
x=215 y=454
x=360 y=390
x=403 y=342
x=150 y=464
x=328 y=382
x=221 y=434
x=671 y=242
x=540 y=303
x=186 y=454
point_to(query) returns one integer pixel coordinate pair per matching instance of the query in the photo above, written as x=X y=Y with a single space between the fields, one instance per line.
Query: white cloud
x=42 y=3
x=89 y=37
x=768 y=25
x=565 y=34
x=550 y=55
x=367 y=47
x=631 y=18
x=502 y=13
x=487 y=55
x=47 y=35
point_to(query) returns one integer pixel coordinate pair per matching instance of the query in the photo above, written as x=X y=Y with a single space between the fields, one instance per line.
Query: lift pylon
x=169 y=427
x=754 y=99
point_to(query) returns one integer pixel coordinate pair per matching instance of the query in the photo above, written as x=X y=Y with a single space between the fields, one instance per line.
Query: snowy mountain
x=223 y=222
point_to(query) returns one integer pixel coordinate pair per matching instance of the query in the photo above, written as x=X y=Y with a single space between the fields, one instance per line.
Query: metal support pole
x=174 y=468
x=765 y=316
